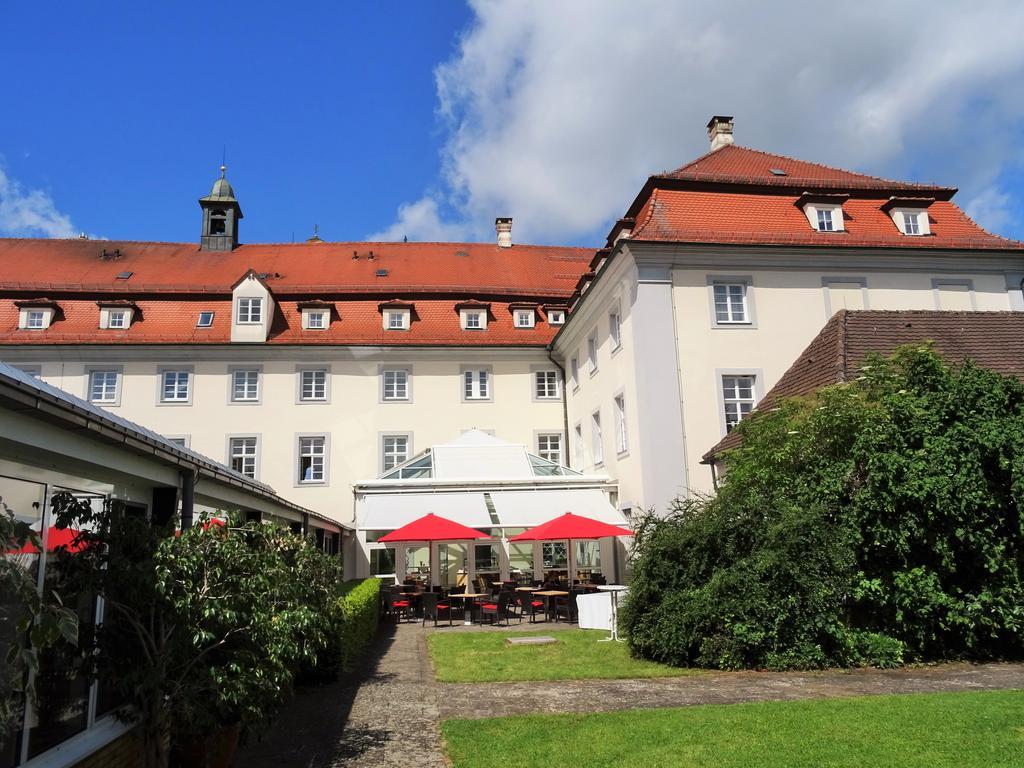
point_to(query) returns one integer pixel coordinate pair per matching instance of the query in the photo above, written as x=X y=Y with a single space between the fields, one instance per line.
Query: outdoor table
x=614 y=589
x=467 y=616
x=527 y=589
x=547 y=594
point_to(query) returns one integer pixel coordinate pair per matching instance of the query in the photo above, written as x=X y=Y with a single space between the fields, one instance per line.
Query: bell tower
x=221 y=214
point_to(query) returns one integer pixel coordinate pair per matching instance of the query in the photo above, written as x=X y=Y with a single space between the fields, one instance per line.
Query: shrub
x=350 y=619
x=875 y=522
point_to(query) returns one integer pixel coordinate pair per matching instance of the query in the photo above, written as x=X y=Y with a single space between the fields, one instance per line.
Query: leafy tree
x=25 y=615
x=204 y=629
x=874 y=522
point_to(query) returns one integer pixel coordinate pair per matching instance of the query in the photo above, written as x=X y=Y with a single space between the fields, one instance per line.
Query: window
x=396 y=320
x=574 y=370
x=394 y=451
x=175 y=386
x=911 y=223
x=596 y=438
x=35 y=319
x=474 y=321
x=592 y=354
x=205 y=320
x=737 y=399
x=578 y=439
x=615 y=328
x=313 y=385
x=730 y=303
x=382 y=561
x=549 y=446
x=524 y=318
x=395 y=384
x=245 y=386
x=476 y=384
x=556 y=317
x=242 y=455
x=312 y=453
x=826 y=222
x=181 y=442
x=250 y=311
x=103 y=386
x=546 y=385
x=118 y=319
x=621 y=442
x=316 y=320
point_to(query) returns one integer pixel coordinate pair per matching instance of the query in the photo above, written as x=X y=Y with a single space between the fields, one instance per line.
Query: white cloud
x=992 y=208
x=556 y=112
x=30 y=212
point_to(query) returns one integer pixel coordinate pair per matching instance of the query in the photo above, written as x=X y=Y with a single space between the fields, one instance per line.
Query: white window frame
x=25 y=314
x=621 y=424
x=592 y=351
x=249 y=310
x=202 y=314
x=385 y=454
x=556 y=316
x=31 y=318
x=757 y=390
x=163 y=373
x=233 y=372
x=117 y=319
x=115 y=398
x=316 y=319
x=547 y=374
x=383 y=372
x=479 y=381
x=899 y=215
x=525 y=318
x=397 y=319
x=302 y=451
x=728 y=281
x=836 y=216
x=615 y=327
x=300 y=376
x=243 y=455
x=596 y=438
x=542 y=442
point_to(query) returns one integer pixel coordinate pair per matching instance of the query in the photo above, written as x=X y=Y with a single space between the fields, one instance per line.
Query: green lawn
x=942 y=730
x=482 y=657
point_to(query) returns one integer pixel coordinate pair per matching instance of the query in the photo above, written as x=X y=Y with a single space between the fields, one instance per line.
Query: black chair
x=530 y=605
x=434 y=608
x=567 y=606
x=397 y=606
x=498 y=609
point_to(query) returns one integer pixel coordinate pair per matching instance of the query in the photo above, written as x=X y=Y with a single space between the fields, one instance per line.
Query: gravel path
x=387 y=716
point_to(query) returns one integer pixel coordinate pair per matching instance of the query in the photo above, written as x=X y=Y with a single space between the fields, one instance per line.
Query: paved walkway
x=387 y=717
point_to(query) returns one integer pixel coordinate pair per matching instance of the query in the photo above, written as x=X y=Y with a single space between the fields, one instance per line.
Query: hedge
x=358 y=611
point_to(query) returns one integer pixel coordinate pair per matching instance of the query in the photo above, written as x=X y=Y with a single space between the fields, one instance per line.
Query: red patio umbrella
x=571 y=527
x=55 y=539
x=431 y=528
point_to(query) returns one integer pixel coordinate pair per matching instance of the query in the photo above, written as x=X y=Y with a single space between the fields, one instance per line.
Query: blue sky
x=428 y=119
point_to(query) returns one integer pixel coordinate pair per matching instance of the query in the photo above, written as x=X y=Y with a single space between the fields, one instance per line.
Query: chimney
x=503 y=226
x=720 y=131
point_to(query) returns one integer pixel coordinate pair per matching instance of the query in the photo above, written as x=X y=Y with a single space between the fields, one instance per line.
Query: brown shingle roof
x=993 y=340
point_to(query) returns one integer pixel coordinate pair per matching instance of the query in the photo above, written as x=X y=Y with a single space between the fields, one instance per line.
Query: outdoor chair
x=515 y=606
x=567 y=606
x=397 y=606
x=530 y=606
x=433 y=608
x=498 y=609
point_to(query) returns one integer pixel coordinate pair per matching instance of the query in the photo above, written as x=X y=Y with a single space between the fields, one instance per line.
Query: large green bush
x=350 y=617
x=876 y=522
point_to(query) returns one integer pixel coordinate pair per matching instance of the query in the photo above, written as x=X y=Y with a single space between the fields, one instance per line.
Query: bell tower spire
x=221 y=214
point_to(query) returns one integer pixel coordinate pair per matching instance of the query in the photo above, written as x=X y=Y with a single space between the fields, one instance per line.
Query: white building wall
x=354 y=418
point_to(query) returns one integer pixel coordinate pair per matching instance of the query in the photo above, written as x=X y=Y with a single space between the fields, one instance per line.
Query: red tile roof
x=733 y=164
x=358 y=322
x=722 y=217
x=412 y=268
x=993 y=340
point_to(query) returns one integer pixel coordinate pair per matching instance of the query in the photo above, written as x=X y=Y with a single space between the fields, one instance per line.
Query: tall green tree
x=876 y=521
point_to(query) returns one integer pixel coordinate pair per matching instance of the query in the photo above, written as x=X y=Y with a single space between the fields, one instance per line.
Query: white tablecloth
x=596 y=610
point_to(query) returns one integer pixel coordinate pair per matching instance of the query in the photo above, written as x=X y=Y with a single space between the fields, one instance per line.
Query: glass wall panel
x=487 y=562
x=520 y=557
x=382 y=562
x=453 y=564
x=556 y=560
x=588 y=559
x=417 y=563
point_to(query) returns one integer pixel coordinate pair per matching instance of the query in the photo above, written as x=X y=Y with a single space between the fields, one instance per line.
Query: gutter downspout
x=565 y=405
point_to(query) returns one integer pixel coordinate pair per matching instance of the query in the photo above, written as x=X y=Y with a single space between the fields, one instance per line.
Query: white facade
x=682 y=362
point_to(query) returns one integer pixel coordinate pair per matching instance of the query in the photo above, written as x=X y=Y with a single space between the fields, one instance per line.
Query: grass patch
x=478 y=657
x=935 y=730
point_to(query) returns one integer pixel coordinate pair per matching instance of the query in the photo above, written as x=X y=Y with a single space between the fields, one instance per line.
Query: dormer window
x=473 y=315
x=909 y=214
x=250 y=311
x=556 y=317
x=911 y=223
x=116 y=317
x=397 y=319
x=524 y=318
x=826 y=220
x=474 y=320
x=316 y=319
x=35 y=319
x=35 y=315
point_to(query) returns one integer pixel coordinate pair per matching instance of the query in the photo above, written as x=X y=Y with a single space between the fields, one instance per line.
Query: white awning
x=526 y=509
x=386 y=512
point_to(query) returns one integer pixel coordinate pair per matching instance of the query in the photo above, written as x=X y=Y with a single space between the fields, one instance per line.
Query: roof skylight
x=205 y=319
x=776 y=172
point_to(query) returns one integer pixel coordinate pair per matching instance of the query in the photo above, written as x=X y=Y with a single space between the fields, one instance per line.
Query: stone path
x=387 y=717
